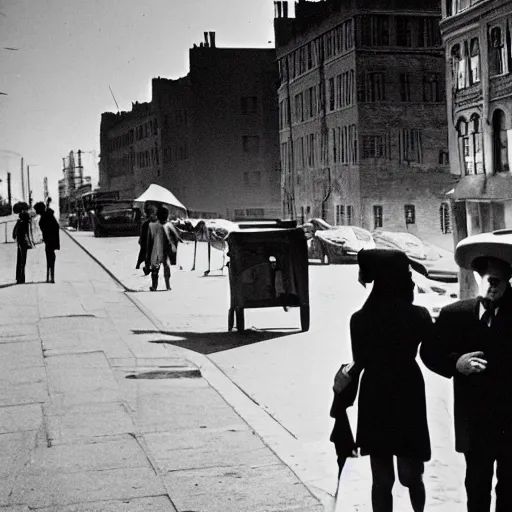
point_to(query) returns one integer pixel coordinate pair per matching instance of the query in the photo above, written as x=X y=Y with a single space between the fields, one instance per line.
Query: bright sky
x=71 y=51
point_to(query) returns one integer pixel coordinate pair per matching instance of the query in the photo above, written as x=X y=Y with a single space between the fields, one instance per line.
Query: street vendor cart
x=268 y=267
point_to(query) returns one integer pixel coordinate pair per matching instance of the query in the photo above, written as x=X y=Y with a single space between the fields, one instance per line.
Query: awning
x=496 y=187
x=159 y=194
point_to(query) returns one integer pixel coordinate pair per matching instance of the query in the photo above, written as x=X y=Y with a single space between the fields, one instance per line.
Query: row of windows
x=456 y=6
x=466 y=56
x=335 y=42
x=341 y=90
x=402 y=31
x=470 y=143
x=147 y=158
x=142 y=131
x=373 y=87
x=252 y=179
x=176 y=153
x=177 y=119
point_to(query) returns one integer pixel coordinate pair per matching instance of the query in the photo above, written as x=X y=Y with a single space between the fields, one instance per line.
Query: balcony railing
x=468 y=96
x=500 y=86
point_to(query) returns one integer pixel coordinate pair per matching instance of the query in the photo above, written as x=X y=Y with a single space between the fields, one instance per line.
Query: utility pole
x=9 y=197
x=45 y=189
x=22 y=181
x=28 y=186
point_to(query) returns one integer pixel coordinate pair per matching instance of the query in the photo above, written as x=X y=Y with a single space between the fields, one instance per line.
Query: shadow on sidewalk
x=211 y=342
x=8 y=285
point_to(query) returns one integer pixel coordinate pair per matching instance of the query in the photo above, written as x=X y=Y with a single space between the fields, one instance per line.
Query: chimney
x=278 y=9
x=285 y=9
x=206 y=40
x=212 y=39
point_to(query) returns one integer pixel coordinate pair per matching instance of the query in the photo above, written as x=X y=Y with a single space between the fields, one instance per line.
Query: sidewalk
x=98 y=414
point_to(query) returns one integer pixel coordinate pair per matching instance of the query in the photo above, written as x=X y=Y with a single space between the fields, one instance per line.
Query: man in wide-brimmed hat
x=473 y=344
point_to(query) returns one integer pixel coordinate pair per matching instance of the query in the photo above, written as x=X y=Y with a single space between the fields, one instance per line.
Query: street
x=286 y=373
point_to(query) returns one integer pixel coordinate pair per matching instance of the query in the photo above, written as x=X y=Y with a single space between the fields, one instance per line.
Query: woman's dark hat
x=384 y=263
x=20 y=206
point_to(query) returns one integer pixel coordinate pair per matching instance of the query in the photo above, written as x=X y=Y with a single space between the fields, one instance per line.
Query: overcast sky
x=71 y=51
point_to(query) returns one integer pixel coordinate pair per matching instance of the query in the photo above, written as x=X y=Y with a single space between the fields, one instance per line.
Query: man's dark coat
x=482 y=401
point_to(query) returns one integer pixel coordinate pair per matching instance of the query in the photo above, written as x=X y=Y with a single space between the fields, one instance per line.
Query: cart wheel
x=240 y=321
x=231 y=319
x=304 y=318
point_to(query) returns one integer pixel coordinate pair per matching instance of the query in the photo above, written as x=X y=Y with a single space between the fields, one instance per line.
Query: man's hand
x=472 y=362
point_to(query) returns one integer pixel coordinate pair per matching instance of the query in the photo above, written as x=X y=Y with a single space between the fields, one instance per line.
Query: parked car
x=335 y=244
x=439 y=264
x=116 y=220
x=432 y=294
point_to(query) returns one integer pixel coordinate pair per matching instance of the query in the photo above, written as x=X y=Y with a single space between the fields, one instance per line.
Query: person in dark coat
x=22 y=234
x=473 y=345
x=149 y=210
x=392 y=419
x=51 y=237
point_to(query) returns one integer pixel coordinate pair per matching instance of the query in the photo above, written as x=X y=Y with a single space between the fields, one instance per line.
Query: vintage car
x=335 y=244
x=439 y=264
x=116 y=219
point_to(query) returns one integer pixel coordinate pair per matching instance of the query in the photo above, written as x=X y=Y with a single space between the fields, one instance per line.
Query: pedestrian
x=392 y=417
x=473 y=345
x=159 y=248
x=149 y=210
x=51 y=237
x=22 y=234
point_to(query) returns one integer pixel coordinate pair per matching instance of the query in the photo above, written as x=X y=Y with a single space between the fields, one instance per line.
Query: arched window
x=500 y=143
x=477 y=159
x=444 y=217
x=497 y=55
x=458 y=67
x=475 y=60
x=464 y=146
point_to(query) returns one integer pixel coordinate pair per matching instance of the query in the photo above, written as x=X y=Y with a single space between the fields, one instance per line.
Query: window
x=428 y=32
x=334 y=139
x=431 y=88
x=350 y=214
x=500 y=142
x=340 y=214
x=403 y=31
x=311 y=149
x=255 y=212
x=497 y=55
x=374 y=146
x=339 y=91
x=476 y=138
x=458 y=67
x=376 y=31
x=474 y=61
x=374 y=87
x=249 y=105
x=311 y=102
x=377 y=216
x=461 y=5
x=444 y=214
x=405 y=87
x=251 y=144
x=464 y=146
x=309 y=53
x=444 y=158
x=410 y=214
x=299 y=107
x=332 y=94
x=410 y=146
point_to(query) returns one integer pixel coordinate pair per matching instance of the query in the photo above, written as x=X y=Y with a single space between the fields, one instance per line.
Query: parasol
x=157 y=194
x=497 y=244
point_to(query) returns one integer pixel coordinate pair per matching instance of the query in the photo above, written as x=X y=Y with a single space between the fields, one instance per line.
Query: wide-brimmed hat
x=20 y=206
x=497 y=244
x=388 y=263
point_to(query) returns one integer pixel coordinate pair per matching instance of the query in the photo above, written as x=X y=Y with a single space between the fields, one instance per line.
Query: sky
x=69 y=52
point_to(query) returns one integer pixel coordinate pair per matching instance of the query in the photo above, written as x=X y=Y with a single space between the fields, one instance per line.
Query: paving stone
x=122 y=452
x=238 y=489
x=39 y=489
x=20 y=355
x=19 y=332
x=20 y=418
x=202 y=448
x=66 y=425
x=152 y=504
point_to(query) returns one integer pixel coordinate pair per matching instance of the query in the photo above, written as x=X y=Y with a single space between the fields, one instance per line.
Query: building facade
x=211 y=137
x=73 y=183
x=476 y=36
x=363 y=132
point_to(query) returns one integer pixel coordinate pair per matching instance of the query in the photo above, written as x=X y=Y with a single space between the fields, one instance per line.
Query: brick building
x=210 y=137
x=476 y=36
x=363 y=115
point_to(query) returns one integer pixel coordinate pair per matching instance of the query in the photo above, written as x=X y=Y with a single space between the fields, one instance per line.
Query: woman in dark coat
x=392 y=418
x=51 y=237
x=22 y=234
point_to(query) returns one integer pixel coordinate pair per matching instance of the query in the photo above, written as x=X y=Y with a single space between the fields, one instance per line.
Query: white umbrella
x=159 y=194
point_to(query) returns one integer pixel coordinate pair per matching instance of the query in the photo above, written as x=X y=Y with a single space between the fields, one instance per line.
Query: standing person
x=473 y=345
x=22 y=234
x=149 y=210
x=51 y=237
x=158 y=249
x=392 y=417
